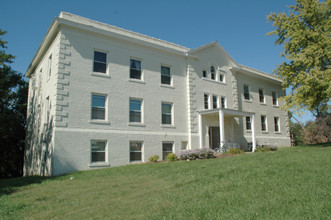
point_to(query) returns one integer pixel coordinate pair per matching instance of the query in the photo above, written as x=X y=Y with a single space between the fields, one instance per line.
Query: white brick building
x=103 y=96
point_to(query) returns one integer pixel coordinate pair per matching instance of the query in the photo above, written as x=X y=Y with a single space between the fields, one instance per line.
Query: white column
x=221 y=121
x=253 y=134
x=200 y=130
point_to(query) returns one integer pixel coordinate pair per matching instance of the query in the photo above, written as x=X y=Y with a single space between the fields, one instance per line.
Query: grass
x=291 y=183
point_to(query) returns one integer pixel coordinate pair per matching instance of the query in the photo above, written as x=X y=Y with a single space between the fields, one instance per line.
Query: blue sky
x=240 y=26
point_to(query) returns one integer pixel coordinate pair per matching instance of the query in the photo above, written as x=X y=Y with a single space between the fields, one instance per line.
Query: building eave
x=256 y=73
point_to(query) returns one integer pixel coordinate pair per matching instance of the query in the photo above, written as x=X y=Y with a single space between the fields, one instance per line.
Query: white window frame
x=277 y=124
x=263 y=96
x=276 y=98
x=105 y=152
x=105 y=108
x=167 y=152
x=170 y=75
x=205 y=72
x=265 y=123
x=141 y=69
x=249 y=93
x=105 y=63
x=141 y=110
x=225 y=104
x=171 y=113
x=206 y=101
x=248 y=122
x=215 y=101
x=213 y=73
x=141 y=151
x=50 y=65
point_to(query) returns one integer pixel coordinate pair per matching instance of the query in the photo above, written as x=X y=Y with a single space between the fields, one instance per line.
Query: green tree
x=305 y=36
x=13 y=98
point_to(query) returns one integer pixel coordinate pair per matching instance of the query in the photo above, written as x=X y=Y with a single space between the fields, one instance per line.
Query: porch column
x=200 y=130
x=253 y=134
x=221 y=122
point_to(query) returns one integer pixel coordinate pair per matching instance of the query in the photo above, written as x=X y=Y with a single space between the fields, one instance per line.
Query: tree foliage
x=13 y=97
x=305 y=36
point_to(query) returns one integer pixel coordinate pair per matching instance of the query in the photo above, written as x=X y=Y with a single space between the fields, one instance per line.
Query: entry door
x=214 y=137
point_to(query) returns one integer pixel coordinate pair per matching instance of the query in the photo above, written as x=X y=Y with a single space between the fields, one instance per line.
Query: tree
x=305 y=36
x=13 y=98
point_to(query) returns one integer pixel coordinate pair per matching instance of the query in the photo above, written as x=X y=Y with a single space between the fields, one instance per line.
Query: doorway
x=214 y=137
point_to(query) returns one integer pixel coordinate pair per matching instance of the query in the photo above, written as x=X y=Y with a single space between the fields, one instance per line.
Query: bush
x=233 y=150
x=154 y=158
x=204 y=153
x=266 y=149
x=171 y=157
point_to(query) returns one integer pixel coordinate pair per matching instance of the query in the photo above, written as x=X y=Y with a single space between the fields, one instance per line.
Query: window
x=165 y=75
x=135 y=150
x=274 y=98
x=246 y=92
x=183 y=145
x=276 y=121
x=223 y=102
x=261 y=95
x=135 y=69
x=50 y=65
x=263 y=123
x=98 y=107
x=100 y=62
x=212 y=72
x=166 y=113
x=98 y=151
x=166 y=149
x=215 y=101
x=248 y=123
x=135 y=110
x=222 y=79
x=204 y=73
x=206 y=101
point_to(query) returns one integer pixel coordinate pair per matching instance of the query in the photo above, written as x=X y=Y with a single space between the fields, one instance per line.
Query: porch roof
x=226 y=111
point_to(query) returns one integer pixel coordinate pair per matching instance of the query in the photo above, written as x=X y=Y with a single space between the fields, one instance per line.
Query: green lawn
x=291 y=183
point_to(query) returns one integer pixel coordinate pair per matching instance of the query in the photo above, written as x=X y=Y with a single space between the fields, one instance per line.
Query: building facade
x=102 y=96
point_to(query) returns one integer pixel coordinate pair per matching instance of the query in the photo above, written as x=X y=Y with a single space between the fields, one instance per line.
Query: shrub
x=266 y=149
x=154 y=158
x=233 y=150
x=171 y=157
x=204 y=153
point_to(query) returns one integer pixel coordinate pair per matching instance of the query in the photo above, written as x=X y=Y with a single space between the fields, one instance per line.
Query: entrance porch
x=217 y=127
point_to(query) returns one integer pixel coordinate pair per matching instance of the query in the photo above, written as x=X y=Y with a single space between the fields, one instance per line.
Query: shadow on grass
x=328 y=144
x=8 y=186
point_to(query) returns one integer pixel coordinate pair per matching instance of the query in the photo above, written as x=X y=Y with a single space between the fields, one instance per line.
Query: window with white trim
x=165 y=75
x=50 y=65
x=135 y=69
x=263 y=123
x=166 y=113
x=100 y=62
x=215 y=101
x=261 y=96
x=167 y=148
x=277 y=126
x=246 y=92
x=223 y=102
x=222 y=77
x=206 y=100
x=274 y=99
x=135 y=110
x=212 y=73
x=248 y=123
x=204 y=73
x=98 y=107
x=98 y=151
x=136 y=151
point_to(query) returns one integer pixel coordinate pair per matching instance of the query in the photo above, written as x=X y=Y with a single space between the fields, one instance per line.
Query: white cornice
x=257 y=73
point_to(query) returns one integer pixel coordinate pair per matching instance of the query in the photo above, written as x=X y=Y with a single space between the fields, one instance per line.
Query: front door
x=214 y=137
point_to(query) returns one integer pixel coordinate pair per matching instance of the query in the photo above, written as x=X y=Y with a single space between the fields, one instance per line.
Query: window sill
x=137 y=81
x=136 y=124
x=168 y=126
x=262 y=103
x=275 y=106
x=248 y=100
x=213 y=80
x=248 y=131
x=278 y=132
x=265 y=132
x=99 y=164
x=167 y=86
x=99 y=122
x=104 y=75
